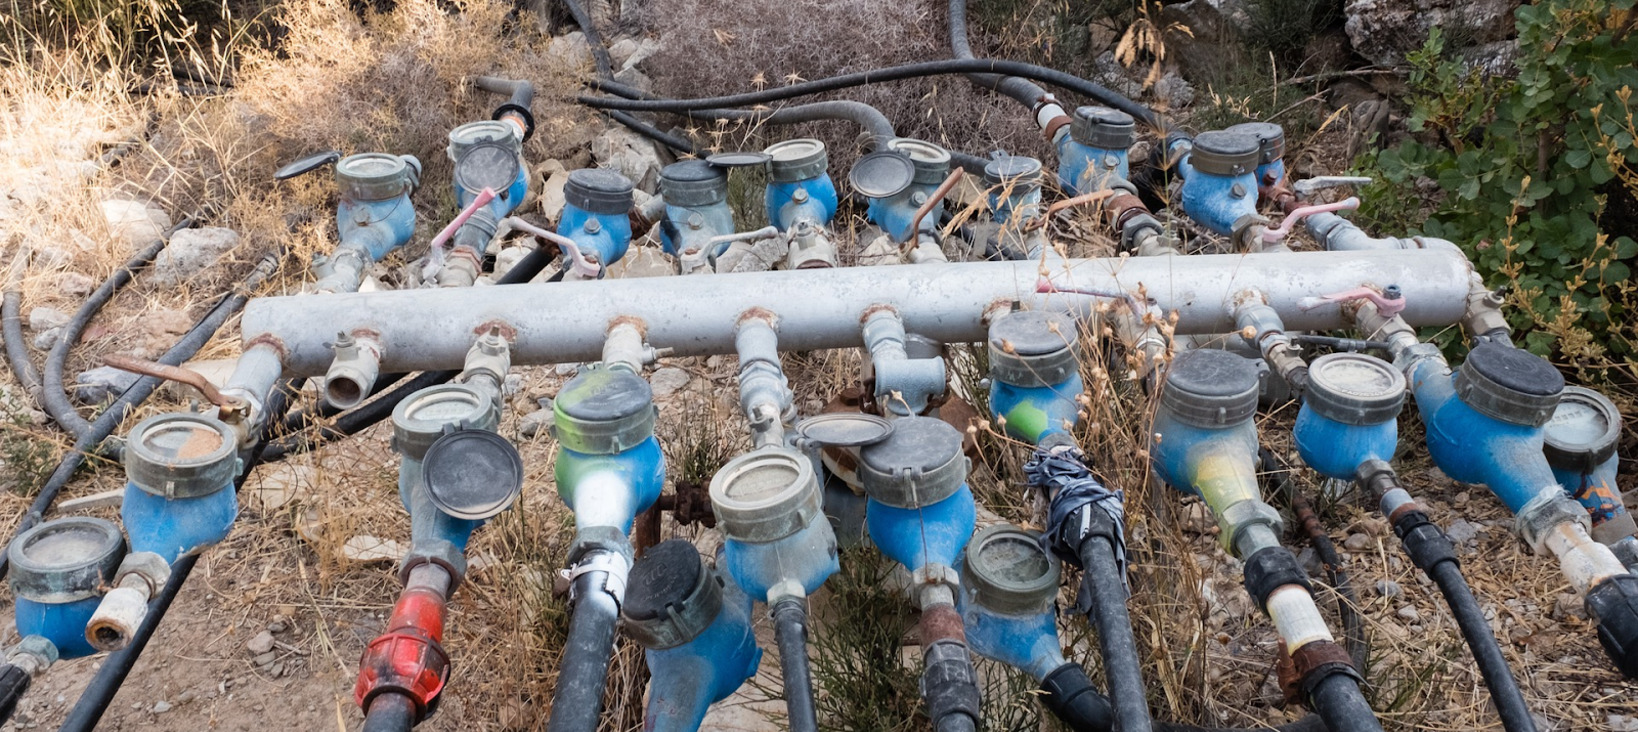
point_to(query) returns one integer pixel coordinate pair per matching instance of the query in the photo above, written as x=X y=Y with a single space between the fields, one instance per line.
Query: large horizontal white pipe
x=821 y=308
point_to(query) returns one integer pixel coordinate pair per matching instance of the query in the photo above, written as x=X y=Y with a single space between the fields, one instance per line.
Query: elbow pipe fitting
x=904 y=386
x=625 y=348
x=112 y=625
x=810 y=247
x=353 y=372
x=516 y=109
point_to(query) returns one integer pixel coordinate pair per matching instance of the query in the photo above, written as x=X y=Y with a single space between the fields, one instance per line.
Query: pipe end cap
x=671 y=596
x=1210 y=388
x=919 y=464
x=1509 y=384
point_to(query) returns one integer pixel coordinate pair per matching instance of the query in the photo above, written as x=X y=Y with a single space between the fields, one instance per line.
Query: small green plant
x=857 y=655
x=26 y=458
x=1528 y=171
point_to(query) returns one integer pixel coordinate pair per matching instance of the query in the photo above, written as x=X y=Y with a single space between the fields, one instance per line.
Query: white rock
x=570 y=50
x=628 y=52
x=629 y=154
x=44 y=318
x=535 y=422
x=102 y=383
x=551 y=191
x=1388 y=588
x=508 y=257
x=1409 y=613
x=192 y=250
x=161 y=706
x=643 y=262
x=276 y=484
x=43 y=341
x=372 y=549
x=1461 y=531
x=668 y=381
x=135 y=223
x=262 y=643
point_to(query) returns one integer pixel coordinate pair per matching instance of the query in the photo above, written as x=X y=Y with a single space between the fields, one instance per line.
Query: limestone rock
x=134 y=223
x=191 y=251
x=1383 y=31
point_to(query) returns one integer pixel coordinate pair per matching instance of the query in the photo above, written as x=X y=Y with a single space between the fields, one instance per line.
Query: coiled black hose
x=1022 y=90
x=90 y=441
x=52 y=397
x=891 y=73
x=93 y=702
x=791 y=633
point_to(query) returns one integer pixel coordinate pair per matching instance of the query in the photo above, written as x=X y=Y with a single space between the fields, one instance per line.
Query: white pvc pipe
x=821 y=308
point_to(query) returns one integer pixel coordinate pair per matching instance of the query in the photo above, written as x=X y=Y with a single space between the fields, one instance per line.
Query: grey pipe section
x=566 y=322
x=1338 y=234
x=764 y=394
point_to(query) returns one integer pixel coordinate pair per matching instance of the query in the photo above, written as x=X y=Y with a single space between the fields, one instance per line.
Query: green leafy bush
x=1534 y=176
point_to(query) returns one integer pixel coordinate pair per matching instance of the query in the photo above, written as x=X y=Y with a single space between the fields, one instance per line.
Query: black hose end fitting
x=522 y=112
x=13 y=683
x=1070 y=696
x=1270 y=569
x=949 y=684
x=1426 y=544
x=1614 y=602
x=1072 y=527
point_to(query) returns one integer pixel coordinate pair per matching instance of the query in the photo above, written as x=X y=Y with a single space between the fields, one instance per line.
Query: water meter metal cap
x=64 y=560
x=918 y=465
x=932 y=162
x=472 y=474
x=1102 y=127
x=181 y=455
x=487 y=165
x=766 y=495
x=671 y=596
x=1221 y=152
x=690 y=183
x=599 y=191
x=1210 y=388
x=472 y=133
x=1009 y=572
x=739 y=159
x=376 y=176
x=1021 y=174
x=796 y=160
x=1270 y=139
x=844 y=429
x=1583 y=430
x=1509 y=384
x=419 y=420
x=1031 y=348
x=1355 y=389
x=882 y=174
x=603 y=412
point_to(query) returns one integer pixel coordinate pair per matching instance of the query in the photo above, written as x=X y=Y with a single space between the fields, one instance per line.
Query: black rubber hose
x=653 y=133
x=790 y=618
x=583 y=672
x=16 y=350
x=1338 y=700
x=864 y=115
x=520 y=91
x=1504 y=690
x=105 y=424
x=389 y=712
x=600 y=53
x=1023 y=91
x=13 y=684
x=93 y=702
x=1116 y=642
x=52 y=397
x=891 y=73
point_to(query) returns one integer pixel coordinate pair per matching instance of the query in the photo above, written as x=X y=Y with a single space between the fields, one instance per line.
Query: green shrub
x=1526 y=171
